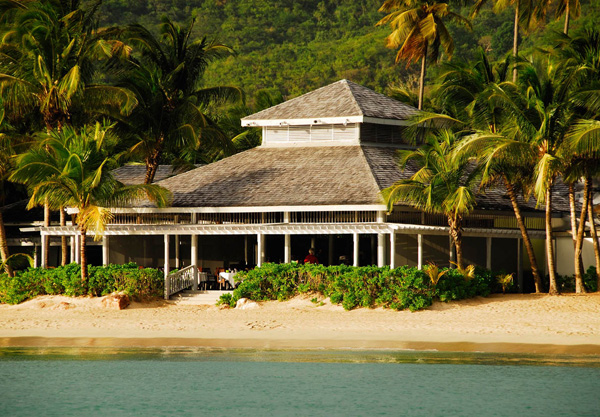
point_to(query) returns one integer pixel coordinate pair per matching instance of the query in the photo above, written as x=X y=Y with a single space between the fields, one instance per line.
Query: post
x=287 y=251
x=105 y=250
x=36 y=259
x=177 y=260
x=419 y=251
x=246 y=257
x=44 y=250
x=519 y=266
x=451 y=251
x=393 y=250
x=73 y=249
x=488 y=253
x=313 y=242
x=194 y=260
x=260 y=250
x=330 y=251
x=166 y=266
x=355 y=252
x=77 y=249
x=380 y=250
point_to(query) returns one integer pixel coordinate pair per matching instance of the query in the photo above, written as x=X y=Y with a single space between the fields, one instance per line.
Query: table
x=229 y=277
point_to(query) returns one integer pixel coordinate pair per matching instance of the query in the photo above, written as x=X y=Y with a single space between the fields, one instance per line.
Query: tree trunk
x=525 y=235
x=152 y=162
x=64 y=251
x=46 y=237
x=573 y=215
x=594 y=232
x=4 y=247
x=456 y=235
x=422 y=78
x=553 y=288
x=579 y=287
x=516 y=41
x=567 y=16
x=83 y=259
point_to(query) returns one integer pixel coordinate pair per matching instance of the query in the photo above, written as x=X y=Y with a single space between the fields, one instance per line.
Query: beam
x=355 y=251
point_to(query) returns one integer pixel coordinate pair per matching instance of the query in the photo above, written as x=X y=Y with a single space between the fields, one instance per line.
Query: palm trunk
x=573 y=218
x=46 y=237
x=579 y=288
x=516 y=41
x=4 y=247
x=422 y=78
x=64 y=252
x=525 y=235
x=152 y=162
x=83 y=259
x=456 y=235
x=553 y=288
x=594 y=233
x=567 y=16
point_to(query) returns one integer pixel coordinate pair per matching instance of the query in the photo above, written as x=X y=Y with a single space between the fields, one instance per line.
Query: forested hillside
x=297 y=45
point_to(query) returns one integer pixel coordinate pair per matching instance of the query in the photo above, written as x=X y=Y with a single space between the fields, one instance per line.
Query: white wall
x=565 y=255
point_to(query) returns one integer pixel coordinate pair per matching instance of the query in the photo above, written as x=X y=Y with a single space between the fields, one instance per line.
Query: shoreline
x=302 y=345
x=515 y=323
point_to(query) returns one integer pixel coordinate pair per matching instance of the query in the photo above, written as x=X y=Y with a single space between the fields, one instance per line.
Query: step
x=199 y=297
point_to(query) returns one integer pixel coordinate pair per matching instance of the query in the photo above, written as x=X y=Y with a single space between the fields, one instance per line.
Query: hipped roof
x=340 y=99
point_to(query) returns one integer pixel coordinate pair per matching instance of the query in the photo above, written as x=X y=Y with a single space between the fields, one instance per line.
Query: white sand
x=525 y=323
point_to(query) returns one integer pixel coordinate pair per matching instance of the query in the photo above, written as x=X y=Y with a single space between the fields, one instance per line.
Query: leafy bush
x=400 y=288
x=102 y=280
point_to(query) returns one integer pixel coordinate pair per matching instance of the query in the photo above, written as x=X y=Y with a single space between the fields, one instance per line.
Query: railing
x=181 y=280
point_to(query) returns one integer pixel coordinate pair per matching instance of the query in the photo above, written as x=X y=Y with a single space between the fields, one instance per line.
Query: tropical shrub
x=400 y=288
x=138 y=283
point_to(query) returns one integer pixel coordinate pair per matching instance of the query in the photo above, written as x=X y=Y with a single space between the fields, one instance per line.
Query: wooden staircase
x=196 y=298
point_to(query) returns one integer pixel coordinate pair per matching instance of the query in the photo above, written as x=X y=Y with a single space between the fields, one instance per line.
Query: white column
x=78 y=248
x=194 y=251
x=177 y=260
x=393 y=250
x=260 y=250
x=73 y=249
x=419 y=251
x=105 y=250
x=246 y=257
x=519 y=266
x=380 y=249
x=330 y=250
x=355 y=252
x=166 y=266
x=313 y=242
x=488 y=253
x=36 y=259
x=287 y=250
x=44 y=245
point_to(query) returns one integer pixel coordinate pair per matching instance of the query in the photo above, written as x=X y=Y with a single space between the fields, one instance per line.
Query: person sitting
x=311 y=258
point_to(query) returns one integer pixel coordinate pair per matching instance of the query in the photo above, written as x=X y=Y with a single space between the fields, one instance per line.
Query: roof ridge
x=375 y=183
x=347 y=83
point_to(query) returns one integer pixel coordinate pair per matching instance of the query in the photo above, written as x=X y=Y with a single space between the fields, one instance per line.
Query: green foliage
x=369 y=286
x=138 y=283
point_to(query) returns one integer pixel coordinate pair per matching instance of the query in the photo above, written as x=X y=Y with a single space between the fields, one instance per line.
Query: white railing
x=180 y=280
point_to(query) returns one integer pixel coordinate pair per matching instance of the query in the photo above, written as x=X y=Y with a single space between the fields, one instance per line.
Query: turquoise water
x=154 y=382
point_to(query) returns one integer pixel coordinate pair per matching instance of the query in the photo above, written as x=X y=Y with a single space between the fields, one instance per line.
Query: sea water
x=197 y=382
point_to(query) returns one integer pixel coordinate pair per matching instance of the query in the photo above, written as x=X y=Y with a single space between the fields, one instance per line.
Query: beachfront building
x=315 y=182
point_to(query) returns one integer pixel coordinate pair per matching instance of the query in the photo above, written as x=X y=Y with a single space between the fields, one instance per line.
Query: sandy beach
x=568 y=324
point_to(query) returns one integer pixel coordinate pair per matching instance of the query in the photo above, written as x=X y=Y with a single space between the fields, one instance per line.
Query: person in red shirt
x=311 y=258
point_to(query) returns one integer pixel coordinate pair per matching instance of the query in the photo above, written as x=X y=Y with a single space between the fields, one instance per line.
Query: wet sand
x=536 y=324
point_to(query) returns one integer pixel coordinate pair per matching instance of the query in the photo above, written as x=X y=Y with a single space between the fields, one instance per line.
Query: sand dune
x=535 y=323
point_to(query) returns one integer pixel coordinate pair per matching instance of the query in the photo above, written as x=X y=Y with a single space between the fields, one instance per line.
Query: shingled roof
x=340 y=99
x=135 y=174
x=333 y=175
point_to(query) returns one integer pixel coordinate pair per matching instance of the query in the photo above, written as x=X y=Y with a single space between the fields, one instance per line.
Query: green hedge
x=399 y=288
x=66 y=280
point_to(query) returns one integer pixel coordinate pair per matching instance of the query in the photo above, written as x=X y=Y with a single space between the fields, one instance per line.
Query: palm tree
x=418 y=30
x=524 y=16
x=165 y=77
x=442 y=184
x=73 y=168
x=566 y=8
x=48 y=52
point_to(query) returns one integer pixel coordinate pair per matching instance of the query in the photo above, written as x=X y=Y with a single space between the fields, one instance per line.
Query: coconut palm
x=73 y=168
x=525 y=14
x=418 y=30
x=567 y=8
x=479 y=93
x=172 y=116
x=442 y=184
x=48 y=51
